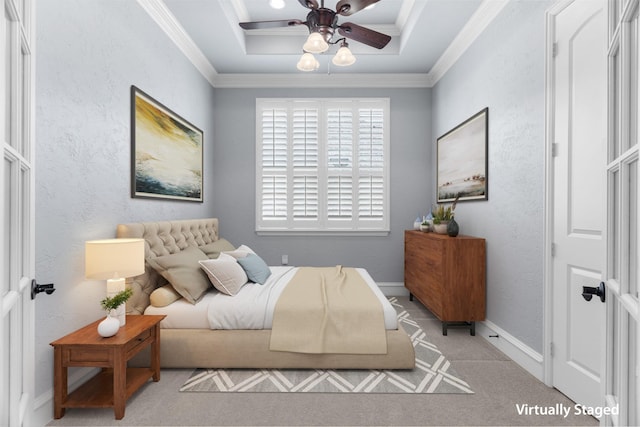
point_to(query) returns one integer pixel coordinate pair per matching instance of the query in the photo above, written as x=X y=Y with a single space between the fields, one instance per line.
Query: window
x=322 y=166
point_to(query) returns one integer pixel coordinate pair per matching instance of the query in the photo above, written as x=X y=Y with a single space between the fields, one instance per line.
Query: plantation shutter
x=340 y=163
x=371 y=160
x=322 y=166
x=305 y=163
x=274 y=164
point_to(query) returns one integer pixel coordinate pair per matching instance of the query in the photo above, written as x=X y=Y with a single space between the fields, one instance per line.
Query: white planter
x=109 y=326
x=441 y=228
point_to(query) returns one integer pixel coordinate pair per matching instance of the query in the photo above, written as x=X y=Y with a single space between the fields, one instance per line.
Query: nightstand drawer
x=138 y=343
x=87 y=356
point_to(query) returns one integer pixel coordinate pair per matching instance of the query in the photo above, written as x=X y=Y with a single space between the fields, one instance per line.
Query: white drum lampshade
x=113 y=260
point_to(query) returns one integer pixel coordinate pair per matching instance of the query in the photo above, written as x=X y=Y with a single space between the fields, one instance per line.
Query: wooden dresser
x=447 y=275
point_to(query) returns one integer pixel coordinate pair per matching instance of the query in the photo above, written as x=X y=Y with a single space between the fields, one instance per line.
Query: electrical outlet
x=285 y=259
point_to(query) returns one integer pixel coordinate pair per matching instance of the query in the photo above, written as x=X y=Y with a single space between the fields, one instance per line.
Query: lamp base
x=114 y=286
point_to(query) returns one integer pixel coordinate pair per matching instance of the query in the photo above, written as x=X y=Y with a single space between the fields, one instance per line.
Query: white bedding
x=251 y=308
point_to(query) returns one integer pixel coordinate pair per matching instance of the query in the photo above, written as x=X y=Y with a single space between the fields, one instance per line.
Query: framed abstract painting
x=166 y=152
x=462 y=160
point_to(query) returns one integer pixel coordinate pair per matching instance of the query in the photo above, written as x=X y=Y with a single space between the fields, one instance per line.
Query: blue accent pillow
x=257 y=270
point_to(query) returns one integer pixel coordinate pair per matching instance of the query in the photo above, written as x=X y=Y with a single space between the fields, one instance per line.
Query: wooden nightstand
x=115 y=383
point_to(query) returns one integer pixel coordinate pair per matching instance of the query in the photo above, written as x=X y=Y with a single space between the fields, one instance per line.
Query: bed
x=190 y=338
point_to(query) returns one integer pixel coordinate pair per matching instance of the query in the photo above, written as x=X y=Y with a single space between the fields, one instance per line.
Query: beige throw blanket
x=328 y=310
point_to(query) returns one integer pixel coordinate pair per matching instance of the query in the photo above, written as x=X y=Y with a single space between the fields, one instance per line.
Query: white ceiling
x=424 y=32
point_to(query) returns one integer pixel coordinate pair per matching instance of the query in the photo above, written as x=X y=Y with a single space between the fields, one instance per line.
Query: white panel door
x=17 y=216
x=579 y=198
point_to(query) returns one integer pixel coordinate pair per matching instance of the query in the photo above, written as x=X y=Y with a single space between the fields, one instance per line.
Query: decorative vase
x=441 y=228
x=417 y=223
x=109 y=326
x=453 y=228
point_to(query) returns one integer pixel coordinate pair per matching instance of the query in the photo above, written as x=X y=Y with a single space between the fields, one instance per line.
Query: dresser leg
x=410 y=296
x=473 y=328
x=444 y=328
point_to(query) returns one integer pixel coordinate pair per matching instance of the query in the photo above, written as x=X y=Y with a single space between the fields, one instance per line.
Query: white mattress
x=251 y=308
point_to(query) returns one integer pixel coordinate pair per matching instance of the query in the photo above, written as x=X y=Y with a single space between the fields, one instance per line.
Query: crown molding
x=478 y=22
x=161 y=14
x=240 y=10
x=417 y=80
x=486 y=13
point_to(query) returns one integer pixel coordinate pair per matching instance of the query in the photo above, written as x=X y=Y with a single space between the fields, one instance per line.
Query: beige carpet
x=498 y=383
x=433 y=374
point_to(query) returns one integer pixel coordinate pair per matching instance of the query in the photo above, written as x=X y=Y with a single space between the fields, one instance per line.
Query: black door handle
x=589 y=291
x=36 y=288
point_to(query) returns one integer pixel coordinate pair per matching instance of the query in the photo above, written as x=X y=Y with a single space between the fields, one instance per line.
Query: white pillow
x=225 y=273
x=241 y=252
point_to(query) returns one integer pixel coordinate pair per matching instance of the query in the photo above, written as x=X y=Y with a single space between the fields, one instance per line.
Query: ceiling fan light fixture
x=308 y=62
x=315 y=43
x=343 y=56
x=276 y=4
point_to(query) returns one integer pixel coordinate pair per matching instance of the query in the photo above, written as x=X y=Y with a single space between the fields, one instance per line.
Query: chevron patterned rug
x=432 y=374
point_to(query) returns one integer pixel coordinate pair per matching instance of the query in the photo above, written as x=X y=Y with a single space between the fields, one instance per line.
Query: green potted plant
x=442 y=214
x=110 y=325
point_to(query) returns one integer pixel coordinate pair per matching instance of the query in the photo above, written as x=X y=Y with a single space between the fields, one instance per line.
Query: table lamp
x=113 y=260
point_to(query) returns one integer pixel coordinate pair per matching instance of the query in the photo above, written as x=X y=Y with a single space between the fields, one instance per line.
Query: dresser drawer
x=429 y=293
x=421 y=244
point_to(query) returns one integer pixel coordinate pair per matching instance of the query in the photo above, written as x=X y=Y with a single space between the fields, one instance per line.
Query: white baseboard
x=522 y=354
x=393 y=289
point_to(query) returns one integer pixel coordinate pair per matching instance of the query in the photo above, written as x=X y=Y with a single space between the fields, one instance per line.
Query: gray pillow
x=183 y=272
x=257 y=270
x=214 y=249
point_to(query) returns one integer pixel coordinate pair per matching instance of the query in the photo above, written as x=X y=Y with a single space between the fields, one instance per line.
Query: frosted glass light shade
x=114 y=258
x=276 y=4
x=343 y=57
x=315 y=43
x=308 y=63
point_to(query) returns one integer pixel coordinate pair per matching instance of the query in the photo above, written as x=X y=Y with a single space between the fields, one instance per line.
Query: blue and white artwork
x=462 y=160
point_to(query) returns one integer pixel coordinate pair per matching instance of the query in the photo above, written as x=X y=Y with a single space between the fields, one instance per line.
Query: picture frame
x=166 y=152
x=462 y=160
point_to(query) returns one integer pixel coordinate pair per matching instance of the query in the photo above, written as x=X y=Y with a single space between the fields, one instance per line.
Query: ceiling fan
x=325 y=22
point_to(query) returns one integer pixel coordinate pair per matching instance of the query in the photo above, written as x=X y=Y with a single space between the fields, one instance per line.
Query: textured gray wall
x=411 y=185
x=504 y=70
x=88 y=55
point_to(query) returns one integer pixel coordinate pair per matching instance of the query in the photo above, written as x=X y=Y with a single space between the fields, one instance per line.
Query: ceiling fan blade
x=309 y=4
x=364 y=35
x=349 y=7
x=259 y=25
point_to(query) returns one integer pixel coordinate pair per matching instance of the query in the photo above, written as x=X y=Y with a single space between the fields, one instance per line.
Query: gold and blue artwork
x=167 y=152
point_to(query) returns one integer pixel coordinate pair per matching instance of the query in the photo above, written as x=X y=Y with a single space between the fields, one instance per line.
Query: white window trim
x=353 y=227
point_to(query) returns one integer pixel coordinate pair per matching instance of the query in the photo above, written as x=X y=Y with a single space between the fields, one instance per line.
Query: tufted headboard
x=163 y=238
